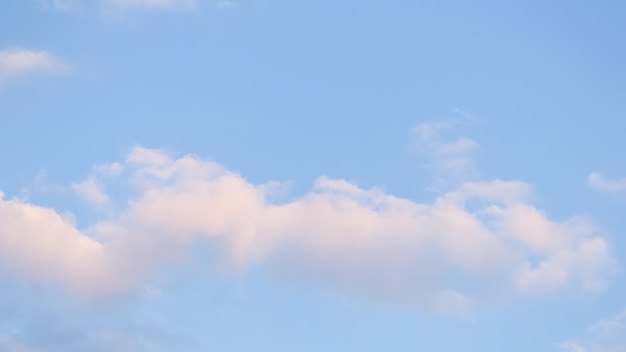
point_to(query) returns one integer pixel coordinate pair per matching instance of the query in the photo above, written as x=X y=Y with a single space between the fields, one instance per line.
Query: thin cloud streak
x=127 y=5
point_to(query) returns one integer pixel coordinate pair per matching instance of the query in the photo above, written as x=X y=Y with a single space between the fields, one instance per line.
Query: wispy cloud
x=32 y=322
x=224 y=4
x=17 y=62
x=598 y=183
x=449 y=159
x=571 y=346
x=108 y=170
x=9 y=343
x=63 y=335
x=125 y=5
x=608 y=335
x=92 y=192
x=362 y=241
x=63 y=5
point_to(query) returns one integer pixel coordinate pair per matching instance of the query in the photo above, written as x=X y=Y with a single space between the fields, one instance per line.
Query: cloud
x=570 y=346
x=607 y=335
x=56 y=339
x=450 y=161
x=70 y=336
x=109 y=170
x=479 y=241
x=17 y=62
x=125 y=5
x=92 y=192
x=9 y=344
x=598 y=183
x=41 y=321
x=63 y=5
x=224 y=4
x=42 y=246
x=116 y=7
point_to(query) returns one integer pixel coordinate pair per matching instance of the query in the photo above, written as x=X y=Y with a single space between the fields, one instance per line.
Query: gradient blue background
x=285 y=90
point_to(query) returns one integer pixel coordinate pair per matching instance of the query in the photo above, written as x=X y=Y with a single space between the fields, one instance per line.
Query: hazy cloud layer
x=480 y=241
x=9 y=344
x=17 y=63
x=76 y=341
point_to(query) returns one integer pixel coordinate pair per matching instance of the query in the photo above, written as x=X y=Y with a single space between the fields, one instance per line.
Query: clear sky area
x=271 y=175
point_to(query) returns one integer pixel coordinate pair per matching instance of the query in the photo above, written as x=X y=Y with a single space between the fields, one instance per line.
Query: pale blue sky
x=269 y=175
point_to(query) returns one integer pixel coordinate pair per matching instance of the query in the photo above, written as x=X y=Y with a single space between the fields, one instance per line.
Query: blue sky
x=268 y=175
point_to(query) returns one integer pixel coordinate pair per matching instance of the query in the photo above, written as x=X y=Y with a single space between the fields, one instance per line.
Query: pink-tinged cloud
x=92 y=193
x=480 y=241
x=17 y=63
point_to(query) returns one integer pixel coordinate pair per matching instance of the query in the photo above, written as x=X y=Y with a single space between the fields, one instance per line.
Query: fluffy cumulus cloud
x=481 y=241
x=607 y=335
x=599 y=183
x=39 y=244
x=18 y=62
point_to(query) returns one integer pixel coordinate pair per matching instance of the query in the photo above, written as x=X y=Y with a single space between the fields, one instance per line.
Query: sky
x=270 y=175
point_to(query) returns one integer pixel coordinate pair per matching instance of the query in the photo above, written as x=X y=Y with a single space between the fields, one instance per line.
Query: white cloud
x=598 y=183
x=468 y=245
x=17 y=62
x=44 y=247
x=92 y=192
x=607 y=335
